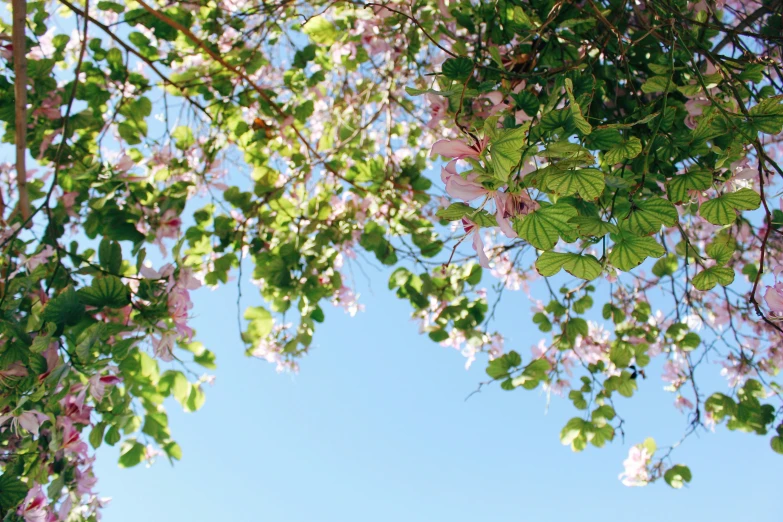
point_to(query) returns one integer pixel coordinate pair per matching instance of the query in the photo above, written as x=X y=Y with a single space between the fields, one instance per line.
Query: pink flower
x=30 y=420
x=49 y=108
x=478 y=245
x=98 y=384
x=682 y=404
x=636 y=473
x=14 y=370
x=438 y=107
x=774 y=298
x=179 y=308
x=346 y=298
x=464 y=188
x=741 y=169
x=72 y=442
x=52 y=357
x=85 y=481
x=695 y=107
x=34 y=507
x=74 y=407
x=65 y=509
x=457 y=149
x=489 y=104
x=36 y=260
x=510 y=205
x=165 y=272
x=163 y=346
x=169 y=225
x=124 y=163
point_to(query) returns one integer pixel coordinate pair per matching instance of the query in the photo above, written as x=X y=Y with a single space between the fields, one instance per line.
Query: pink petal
x=478 y=246
x=465 y=189
x=453 y=149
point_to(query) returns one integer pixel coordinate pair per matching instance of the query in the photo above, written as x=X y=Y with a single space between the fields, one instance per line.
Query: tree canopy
x=620 y=157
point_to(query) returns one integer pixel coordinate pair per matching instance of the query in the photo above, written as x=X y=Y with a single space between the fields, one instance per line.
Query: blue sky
x=376 y=427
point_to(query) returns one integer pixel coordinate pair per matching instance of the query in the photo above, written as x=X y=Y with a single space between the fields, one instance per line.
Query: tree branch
x=20 y=94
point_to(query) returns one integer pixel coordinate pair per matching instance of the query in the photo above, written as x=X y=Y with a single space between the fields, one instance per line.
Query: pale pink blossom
x=36 y=260
x=75 y=408
x=163 y=345
x=30 y=420
x=34 y=508
x=478 y=245
x=45 y=47
x=15 y=369
x=98 y=384
x=682 y=404
x=695 y=106
x=348 y=300
x=636 y=473
x=438 y=108
x=774 y=298
x=71 y=441
x=457 y=149
x=511 y=205
x=465 y=188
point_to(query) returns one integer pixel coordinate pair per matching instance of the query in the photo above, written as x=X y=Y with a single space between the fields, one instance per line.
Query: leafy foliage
x=599 y=144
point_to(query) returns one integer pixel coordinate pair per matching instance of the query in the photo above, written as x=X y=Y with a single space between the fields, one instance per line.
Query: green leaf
x=173 y=451
x=588 y=183
x=543 y=227
x=677 y=476
x=649 y=215
x=260 y=325
x=649 y=445
x=522 y=21
x=527 y=101
x=767 y=115
x=506 y=150
x=64 y=309
x=12 y=491
x=696 y=179
x=533 y=373
x=690 y=341
x=195 y=399
x=183 y=137
x=129 y=133
x=593 y=226
x=620 y=354
x=721 y=250
x=722 y=210
x=777 y=444
x=572 y=431
x=629 y=251
x=604 y=139
x=707 y=279
x=657 y=84
x=96 y=434
x=111 y=6
x=131 y=454
x=457 y=68
x=320 y=30
x=623 y=151
x=110 y=256
x=665 y=266
x=106 y=291
x=582 y=266
x=112 y=436
x=576 y=111
x=454 y=212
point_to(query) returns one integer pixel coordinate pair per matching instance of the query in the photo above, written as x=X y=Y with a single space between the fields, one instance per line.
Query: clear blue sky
x=376 y=428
